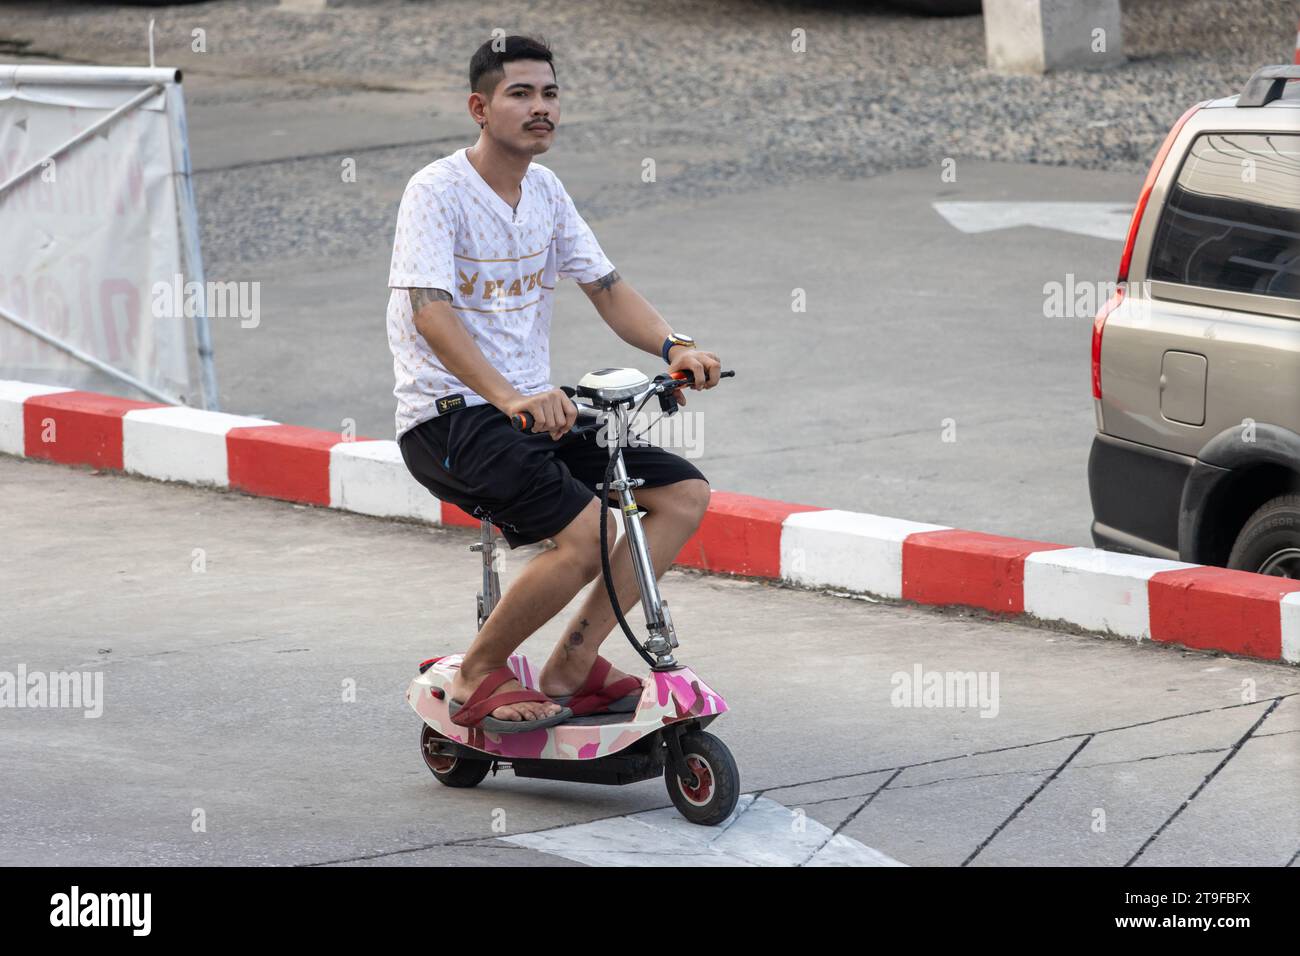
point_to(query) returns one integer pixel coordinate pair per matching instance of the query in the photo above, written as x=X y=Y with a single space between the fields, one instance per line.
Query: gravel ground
x=876 y=90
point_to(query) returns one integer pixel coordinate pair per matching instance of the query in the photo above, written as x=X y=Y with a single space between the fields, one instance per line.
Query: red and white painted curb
x=1143 y=598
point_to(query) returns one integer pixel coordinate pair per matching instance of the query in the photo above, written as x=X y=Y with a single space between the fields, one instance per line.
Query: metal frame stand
x=156 y=81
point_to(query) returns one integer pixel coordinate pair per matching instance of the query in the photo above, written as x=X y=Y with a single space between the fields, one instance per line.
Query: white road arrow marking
x=1102 y=220
x=760 y=832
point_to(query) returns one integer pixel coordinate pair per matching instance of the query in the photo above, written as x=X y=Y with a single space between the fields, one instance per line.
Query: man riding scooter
x=482 y=236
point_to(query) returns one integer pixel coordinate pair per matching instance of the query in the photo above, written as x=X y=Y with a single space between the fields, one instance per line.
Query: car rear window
x=1232 y=219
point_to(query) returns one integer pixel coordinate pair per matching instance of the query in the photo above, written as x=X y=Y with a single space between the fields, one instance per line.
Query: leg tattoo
x=576 y=638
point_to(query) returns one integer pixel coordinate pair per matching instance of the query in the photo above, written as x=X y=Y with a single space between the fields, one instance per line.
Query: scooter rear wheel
x=451 y=771
x=717 y=780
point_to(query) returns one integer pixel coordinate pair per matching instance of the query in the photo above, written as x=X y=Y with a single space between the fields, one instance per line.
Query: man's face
x=525 y=107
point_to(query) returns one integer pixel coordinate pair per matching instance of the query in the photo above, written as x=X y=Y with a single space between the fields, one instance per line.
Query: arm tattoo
x=602 y=284
x=422 y=297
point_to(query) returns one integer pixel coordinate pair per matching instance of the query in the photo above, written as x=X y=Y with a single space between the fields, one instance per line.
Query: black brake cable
x=662 y=415
x=605 y=569
x=608 y=573
x=638 y=411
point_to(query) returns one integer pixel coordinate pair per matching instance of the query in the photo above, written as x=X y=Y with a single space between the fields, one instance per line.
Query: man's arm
x=455 y=347
x=638 y=323
x=626 y=311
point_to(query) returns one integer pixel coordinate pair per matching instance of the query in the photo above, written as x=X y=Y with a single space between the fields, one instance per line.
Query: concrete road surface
x=228 y=629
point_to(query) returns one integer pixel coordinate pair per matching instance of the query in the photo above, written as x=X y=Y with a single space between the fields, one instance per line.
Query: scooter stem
x=659 y=623
x=657 y=648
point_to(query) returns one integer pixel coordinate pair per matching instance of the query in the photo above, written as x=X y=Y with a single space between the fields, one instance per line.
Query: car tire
x=1269 y=542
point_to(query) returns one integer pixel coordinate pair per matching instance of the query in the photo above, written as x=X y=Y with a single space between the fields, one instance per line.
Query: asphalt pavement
x=255 y=654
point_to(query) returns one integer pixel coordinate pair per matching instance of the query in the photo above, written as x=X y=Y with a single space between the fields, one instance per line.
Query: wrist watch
x=677 y=338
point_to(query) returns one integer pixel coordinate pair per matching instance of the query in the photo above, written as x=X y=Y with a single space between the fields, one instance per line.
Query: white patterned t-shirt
x=500 y=266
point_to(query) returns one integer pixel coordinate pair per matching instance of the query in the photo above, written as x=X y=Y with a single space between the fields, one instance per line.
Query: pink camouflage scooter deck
x=669 y=697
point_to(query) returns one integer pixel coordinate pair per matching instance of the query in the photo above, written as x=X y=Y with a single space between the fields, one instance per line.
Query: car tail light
x=1099 y=323
x=1099 y=326
x=1136 y=222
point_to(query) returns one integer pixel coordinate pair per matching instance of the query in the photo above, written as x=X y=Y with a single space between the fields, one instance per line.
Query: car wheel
x=1269 y=543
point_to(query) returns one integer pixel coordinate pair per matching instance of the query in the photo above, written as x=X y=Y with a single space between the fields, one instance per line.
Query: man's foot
x=462 y=687
x=563 y=678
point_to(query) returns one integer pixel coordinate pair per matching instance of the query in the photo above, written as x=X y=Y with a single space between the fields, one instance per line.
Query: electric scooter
x=664 y=735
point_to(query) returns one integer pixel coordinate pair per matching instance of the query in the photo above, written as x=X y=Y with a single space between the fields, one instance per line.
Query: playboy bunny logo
x=466 y=285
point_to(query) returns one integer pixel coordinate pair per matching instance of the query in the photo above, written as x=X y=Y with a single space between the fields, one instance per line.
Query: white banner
x=87 y=236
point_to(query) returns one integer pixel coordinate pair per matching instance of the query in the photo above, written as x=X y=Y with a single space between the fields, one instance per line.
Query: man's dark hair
x=487 y=66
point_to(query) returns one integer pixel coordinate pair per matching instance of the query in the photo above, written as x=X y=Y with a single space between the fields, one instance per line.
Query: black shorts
x=525 y=483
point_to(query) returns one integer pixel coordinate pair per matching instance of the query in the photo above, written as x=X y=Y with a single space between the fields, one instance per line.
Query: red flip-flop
x=477 y=711
x=593 y=697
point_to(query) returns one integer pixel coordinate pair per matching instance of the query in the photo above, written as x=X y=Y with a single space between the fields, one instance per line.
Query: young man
x=482 y=236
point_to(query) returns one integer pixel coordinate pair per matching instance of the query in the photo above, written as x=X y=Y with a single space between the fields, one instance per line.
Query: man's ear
x=470 y=106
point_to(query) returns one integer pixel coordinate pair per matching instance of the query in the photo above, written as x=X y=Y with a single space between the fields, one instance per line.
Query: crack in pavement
x=1028 y=800
x=1232 y=752
x=477 y=840
x=851 y=817
x=413 y=849
x=1036 y=770
x=474 y=841
x=128 y=658
x=1024 y=746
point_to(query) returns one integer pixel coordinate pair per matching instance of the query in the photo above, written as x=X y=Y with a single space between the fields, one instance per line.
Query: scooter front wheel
x=717 y=780
x=451 y=771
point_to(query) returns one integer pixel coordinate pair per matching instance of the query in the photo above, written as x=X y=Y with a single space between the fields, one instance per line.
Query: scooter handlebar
x=523 y=421
x=687 y=377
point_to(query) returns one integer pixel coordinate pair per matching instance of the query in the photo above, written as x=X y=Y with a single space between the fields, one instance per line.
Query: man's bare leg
x=675 y=512
x=541 y=590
